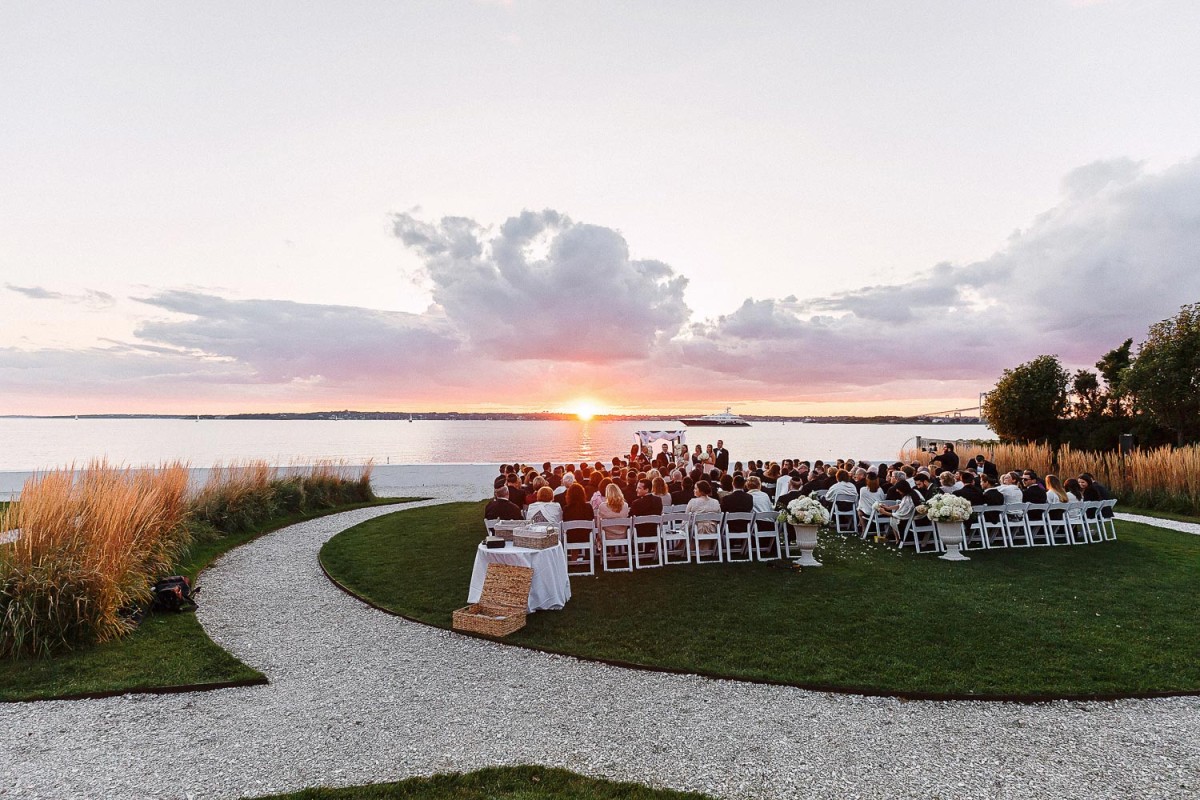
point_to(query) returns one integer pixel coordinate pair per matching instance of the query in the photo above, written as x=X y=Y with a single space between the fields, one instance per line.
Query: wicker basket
x=505 y=529
x=536 y=537
x=502 y=605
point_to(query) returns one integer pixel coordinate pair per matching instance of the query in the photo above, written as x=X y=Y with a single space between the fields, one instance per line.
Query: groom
x=721 y=457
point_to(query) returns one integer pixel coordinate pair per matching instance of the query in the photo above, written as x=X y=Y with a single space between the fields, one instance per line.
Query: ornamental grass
x=1164 y=478
x=91 y=542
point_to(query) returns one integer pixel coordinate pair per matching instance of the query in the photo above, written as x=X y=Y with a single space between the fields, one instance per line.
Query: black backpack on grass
x=174 y=594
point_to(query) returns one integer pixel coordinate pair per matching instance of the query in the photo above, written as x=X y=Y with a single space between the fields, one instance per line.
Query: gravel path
x=358 y=696
x=1182 y=527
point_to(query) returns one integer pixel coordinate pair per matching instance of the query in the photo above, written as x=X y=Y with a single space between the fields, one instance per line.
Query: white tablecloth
x=551 y=588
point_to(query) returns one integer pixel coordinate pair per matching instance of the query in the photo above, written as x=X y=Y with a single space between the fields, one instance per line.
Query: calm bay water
x=29 y=444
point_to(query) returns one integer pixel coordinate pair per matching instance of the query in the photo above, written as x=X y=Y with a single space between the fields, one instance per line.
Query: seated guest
x=645 y=504
x=1032 y=492
x=544 y=509
x=737 y=501
x=902 y=514
x=685 y=493
x=726 y=486
x=868 y=496
x=762 y=502
x=969 y=490
x=842 y=491
x=923 y=486
x=501 y=507
x=1009 y=488
x=992 y=496
x=658 y=488
x=516 y=493
x=601 y=492
x=704 y=503
x=568 y=480
x=950 y=484
x=575 y=506
x=613 y=507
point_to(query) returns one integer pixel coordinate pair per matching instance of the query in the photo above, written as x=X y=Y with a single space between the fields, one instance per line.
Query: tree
x=1164 y=379
x=1114 y=367
x=1029 y=401
x=1090 y=401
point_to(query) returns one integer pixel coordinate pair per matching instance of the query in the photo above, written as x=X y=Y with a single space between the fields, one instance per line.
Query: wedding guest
x=704 y=503
x=658 y=488
x=726 y=486
x=602 y=493
x=646 y=504
x=1009 y=488
x=969 y=491
x=842 y=491
x=868 y=496
x=762 y=501
x=613 y=507
x=685 y=493
x=739 y=500
x=576 y=507
x=992 y=496
x=899 y=516
x=544 y=509
x=501 y=507
x=949 y=458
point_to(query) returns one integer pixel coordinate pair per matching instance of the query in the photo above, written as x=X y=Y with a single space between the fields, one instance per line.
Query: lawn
x=1113 y=618
x=167 y=650
x=496 y=783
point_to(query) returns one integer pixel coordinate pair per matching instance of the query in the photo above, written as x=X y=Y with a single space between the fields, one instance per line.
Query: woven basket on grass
x=502 y=605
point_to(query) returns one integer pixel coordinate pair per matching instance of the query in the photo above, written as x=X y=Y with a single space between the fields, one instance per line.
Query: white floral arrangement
x=948 y=508
x=804 y=511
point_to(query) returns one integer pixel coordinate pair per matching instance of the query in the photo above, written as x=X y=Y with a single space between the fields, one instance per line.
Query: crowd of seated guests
x=645 y=486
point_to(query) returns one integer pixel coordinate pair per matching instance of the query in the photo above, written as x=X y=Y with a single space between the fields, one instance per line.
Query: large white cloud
x=543 y=287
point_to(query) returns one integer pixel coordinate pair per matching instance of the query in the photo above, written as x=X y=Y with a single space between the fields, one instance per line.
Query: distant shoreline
x=451 y=416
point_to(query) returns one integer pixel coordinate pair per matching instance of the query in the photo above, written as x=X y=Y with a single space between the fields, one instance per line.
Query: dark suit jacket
x=949 y=461
x=738 y=501
x=993 y=497
x=1037 y=495
x=678 y=497
x=988 y=468
x=647 y=506
x=501 y=509
x=972 y=493
x=721 y=461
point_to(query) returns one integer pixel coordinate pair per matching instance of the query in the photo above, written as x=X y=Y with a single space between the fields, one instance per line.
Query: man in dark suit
x=645 y=505
x=923 y=487
x=1031 y=490
x=970 y=491
x=949 y=458
x=738 y=501
x=501 y=507
x=984 y=467
x=516 y=493
x=721 y=457
x=991 y=494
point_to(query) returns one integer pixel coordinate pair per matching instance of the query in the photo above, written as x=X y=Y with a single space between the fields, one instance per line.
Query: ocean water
x=35 y=444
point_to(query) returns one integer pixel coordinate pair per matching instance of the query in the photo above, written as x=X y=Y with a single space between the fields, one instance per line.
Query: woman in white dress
x=868 y=496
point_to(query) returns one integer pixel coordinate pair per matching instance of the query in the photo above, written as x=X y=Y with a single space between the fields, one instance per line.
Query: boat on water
x=724 y=420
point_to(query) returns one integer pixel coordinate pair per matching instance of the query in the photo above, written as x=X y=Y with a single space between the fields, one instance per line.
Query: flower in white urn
x=804 y=511
x=948 y=508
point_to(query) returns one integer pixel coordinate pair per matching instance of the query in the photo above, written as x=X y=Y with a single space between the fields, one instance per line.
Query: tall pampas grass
x=89 y=539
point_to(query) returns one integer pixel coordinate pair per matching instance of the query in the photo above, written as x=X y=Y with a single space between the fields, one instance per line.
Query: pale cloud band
x=542 y=308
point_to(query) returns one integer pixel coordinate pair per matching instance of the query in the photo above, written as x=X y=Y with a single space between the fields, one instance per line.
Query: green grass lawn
x=1117 y=617
x=166 y=650
x=496 y=783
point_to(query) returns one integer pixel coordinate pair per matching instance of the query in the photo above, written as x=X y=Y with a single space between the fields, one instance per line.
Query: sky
x=790 y=208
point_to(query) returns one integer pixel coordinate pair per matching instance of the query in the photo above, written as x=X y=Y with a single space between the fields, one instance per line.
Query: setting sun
x=584 y=409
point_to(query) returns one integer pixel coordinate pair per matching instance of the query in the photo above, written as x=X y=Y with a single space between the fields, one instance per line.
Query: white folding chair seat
x=675 y=535
x=745 y=521
x=1077 y=528
x=648 y=546
x=616 y=541
x=765 y=532
x=579 y=544
x=1057 y=524
x=878 y=524
x=1092 y=521
x=700 y=523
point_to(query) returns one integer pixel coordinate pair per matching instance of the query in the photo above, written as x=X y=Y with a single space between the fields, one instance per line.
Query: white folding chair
x=742 y=520
x=1016 y=518
x=579 y=544
x=616 y=540
x=878 y=524
x=1057 y=524
x=490 y=524
x=1077 y=526
x=764 y=531
x=925 y=535
x=1092 y=521
x=991 y=525
x=844 y=511
x=645 y=544
x=706 y=527
x=675 y=535
x=1108 y=518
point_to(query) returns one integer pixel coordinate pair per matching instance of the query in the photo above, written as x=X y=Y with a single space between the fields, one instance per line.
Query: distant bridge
x=958 y=412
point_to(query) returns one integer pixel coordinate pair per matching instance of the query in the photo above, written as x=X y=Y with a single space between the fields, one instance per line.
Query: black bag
x=174 y=594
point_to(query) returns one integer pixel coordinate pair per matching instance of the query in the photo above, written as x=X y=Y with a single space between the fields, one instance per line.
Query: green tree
x=1114 y=367
x=1029 y=401
x=1164 y=380
x=1090 y=400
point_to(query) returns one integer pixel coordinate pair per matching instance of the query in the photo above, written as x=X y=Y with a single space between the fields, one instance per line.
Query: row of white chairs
x=1009 y=525
x=674 y=537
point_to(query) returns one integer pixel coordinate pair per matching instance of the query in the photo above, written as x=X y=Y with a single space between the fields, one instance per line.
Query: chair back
x=648 y=526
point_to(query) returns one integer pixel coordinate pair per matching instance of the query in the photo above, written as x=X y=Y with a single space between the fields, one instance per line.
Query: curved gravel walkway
x=359 y=696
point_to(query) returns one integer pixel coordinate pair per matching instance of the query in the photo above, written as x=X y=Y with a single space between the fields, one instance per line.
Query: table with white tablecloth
x=550 y=589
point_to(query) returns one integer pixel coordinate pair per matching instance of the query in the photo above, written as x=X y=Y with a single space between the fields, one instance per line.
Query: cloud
x=543 y=287
x=282 y=341
x=1117 y=253
x=93 y=299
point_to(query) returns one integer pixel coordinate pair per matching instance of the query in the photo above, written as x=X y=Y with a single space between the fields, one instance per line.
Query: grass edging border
x=1024 y=699
x=262 y=680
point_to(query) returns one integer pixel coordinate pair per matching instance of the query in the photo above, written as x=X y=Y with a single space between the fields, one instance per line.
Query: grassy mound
x=1114 y=618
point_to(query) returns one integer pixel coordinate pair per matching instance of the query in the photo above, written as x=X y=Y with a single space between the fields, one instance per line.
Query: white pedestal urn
x=806 y=538
x=951 y=534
